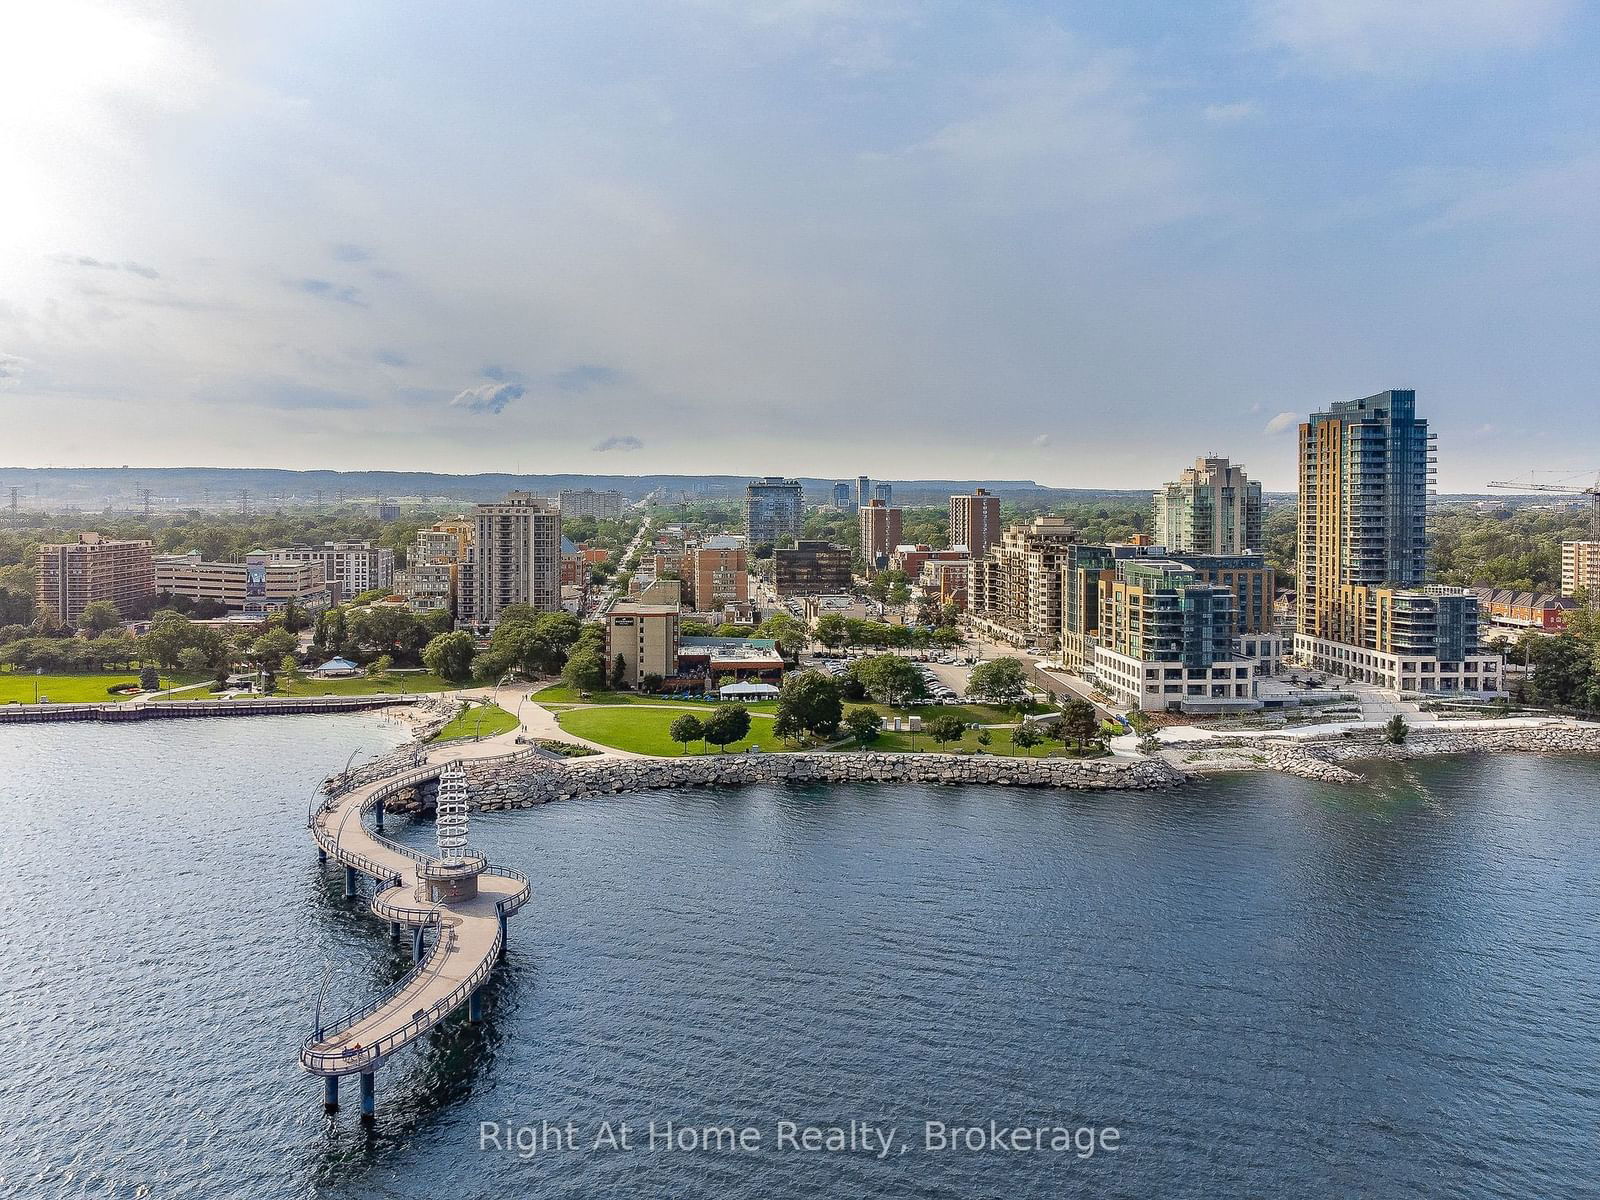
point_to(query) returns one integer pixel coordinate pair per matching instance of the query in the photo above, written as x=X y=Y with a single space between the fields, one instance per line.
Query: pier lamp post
x=37 y=671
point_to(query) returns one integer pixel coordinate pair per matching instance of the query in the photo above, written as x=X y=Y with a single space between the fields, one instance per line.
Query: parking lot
x=945 y=675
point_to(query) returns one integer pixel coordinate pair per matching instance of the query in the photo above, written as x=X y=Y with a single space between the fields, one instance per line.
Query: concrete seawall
x=524 y=784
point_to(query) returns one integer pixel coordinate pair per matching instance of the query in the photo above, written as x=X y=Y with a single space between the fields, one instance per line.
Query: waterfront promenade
x=461 y=905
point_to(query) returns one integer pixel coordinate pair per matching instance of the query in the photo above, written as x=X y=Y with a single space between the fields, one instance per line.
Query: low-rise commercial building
x=255 y=586
x=710 y=660
x=74 y=575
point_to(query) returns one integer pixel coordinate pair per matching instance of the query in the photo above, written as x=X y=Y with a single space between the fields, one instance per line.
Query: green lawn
x=17 y=686
x=644 y=730
x=485 y=719
x=559 y=695
x=999 y=744
x=396 y=681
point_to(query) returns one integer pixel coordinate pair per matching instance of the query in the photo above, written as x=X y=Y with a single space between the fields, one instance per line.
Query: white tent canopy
x=747 y=691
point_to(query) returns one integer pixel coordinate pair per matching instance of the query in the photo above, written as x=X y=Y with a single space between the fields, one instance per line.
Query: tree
x=944 y=728
x=651 y=683
x=585 y=669
x=999 y=681
x=1395 y=730
x=890 y=679
x=1079 y=723
x=270 y=648
x=192 y=659
x=832 y=630
x=149 y=680
x=1026 y=737
x=788 y=631
x=289 y=668
x=619 y=672
x=728 y=723
x=380 y=667
x=450 y=656
x=863 y=724
x=983 y=738
x=99 y=616
x=809 y=702
x=687 y=728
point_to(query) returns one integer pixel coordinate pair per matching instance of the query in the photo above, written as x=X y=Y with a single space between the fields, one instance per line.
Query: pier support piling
x=501 y=957
x=330 y=1093
x=475 y=1006
x=369 y=1095
x=349 y=882
x=322 y=856
x=394 y=930
x=416 y=944
x=377 y=814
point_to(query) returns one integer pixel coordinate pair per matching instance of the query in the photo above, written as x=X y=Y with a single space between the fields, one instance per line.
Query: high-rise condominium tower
x=515 y=559
x=975 y=522
x=774 y=510
x=1212 y=508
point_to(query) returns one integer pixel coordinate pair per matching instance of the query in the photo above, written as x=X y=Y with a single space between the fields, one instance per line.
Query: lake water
x=1265 y=985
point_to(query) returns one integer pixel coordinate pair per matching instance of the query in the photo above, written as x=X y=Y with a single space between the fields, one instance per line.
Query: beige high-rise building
x=1015 y=590
x=73 y=575
x=880 y=532
x=515 y=558
x=975 y=522
x=1212 y=508
x=1580 y=569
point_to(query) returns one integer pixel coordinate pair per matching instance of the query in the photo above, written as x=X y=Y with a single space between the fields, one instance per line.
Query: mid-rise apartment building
x=812 y=568
x=350 y=568
x=1014 y=591
x=880 y=532
x=1580 y=569
x=515 y=558
x=1366 y=484
x=1212 y=508
x=645 y=637
x=719 y=573
x=1166 y=640
x=256 y=586
x=74 y=575
x=603 y=506
x=774 y=512
x=975 y=522
x=432 y=579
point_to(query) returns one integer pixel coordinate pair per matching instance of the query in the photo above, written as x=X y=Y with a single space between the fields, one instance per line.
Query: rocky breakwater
x=525 y=783
x=1426 y=741
x=428 y=718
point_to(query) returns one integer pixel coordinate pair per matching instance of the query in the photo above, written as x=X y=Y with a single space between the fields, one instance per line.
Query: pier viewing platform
x=454 y=905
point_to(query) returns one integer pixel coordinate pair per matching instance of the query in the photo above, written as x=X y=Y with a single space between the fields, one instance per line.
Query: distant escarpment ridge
x=91 y=488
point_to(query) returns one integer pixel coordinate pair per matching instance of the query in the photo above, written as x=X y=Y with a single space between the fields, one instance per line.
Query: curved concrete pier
x=467 y=934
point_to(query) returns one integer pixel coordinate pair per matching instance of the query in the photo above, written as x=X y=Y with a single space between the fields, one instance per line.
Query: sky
x=1081 y=243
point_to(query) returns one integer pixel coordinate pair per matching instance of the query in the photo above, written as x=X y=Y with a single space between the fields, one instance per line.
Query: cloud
x=10 y=368
x=346 y=253
x=487 y=397
x=499 y=374
x=390 y=358
x=1401 y=35
x=624 y=442
x=1227 y=114
x=1041 y=441
x=83 y=260
x=344 y=294
x=1282 y=423
x=584 y=377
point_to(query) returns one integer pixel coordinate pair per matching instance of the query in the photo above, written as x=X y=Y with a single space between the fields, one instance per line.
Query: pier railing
x=347 y=1061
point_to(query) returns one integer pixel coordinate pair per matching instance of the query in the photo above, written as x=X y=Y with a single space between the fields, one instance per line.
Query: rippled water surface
x=1268 y=986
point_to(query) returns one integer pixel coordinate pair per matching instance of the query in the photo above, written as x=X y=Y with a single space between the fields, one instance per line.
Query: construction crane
x=1569 y=489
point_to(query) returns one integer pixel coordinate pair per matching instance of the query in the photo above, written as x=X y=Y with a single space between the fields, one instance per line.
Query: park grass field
x=395 y=681
x=563 y=696
x=999 y=744
x=478 y=719
x=17 y=687
x=644 y=730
